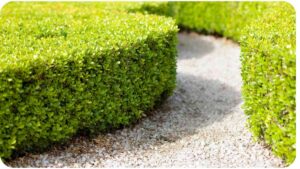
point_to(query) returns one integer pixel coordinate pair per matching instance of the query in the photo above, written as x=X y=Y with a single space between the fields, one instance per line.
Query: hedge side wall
x=64 y=68
x=266 y=32
x=269 y=76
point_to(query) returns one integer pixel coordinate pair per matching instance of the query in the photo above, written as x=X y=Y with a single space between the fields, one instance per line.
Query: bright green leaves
x=66 y=67
x=93 y=66
x=269 y=77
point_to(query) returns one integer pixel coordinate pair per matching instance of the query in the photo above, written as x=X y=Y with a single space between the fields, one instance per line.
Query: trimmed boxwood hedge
x=269 y=78
x=65 y=68
x=221 y=18
x=266 y=32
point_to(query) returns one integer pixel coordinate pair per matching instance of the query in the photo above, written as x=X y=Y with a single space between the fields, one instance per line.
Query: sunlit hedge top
x=41 y=34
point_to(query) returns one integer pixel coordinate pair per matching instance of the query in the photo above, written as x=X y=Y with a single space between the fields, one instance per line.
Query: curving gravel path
x=201 y=125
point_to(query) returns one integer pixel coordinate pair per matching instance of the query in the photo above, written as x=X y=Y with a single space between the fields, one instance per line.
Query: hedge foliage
x=118 y=90
x=269 y=77
x=222 y=18
x=71 y=67
x=266 y=32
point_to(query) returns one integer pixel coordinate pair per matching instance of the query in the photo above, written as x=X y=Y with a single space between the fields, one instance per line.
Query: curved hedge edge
x=238 y=21
x=217 y=18
x=47 y=102
x=3 y=3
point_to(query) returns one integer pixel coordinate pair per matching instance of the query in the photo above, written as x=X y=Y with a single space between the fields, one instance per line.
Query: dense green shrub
x=222 y=18
x=269 y=78
x=266 y=32
x=95 y=96
x=70 y=67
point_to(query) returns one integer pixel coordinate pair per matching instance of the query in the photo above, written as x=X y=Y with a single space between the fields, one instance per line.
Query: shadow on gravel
x=187 y=46
x=196 y=103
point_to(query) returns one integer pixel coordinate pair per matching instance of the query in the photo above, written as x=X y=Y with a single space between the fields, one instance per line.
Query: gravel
x=201 y=125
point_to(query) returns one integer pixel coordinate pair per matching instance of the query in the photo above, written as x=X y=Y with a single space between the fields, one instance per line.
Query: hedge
x=66 y=68
x=220 y=18
x=269 y=77
x=266 y=32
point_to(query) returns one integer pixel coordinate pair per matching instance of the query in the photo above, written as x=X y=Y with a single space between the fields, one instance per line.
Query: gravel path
x=201 y=125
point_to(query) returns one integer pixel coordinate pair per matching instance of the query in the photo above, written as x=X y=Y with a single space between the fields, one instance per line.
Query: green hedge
x=269 y=77
x=71 y=67
x=266 y=32
x=222 y=18
x=89 y=95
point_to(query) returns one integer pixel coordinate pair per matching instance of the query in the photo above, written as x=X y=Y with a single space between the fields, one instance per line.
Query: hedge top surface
x=57 y=31
x=79 y=67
